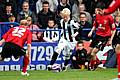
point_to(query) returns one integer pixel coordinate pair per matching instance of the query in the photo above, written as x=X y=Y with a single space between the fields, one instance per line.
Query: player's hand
x=74 y=58
x=1 y=43
x=109 y=42
x=73 y=35
x=90 y=34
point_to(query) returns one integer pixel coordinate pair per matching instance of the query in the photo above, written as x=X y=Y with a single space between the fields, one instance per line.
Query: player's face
x=66 y=17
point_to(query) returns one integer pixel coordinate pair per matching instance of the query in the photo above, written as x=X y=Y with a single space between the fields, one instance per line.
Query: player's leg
x=61 y=45
x=6 y=51
x=25 y=65
x=26 y=61
x=117 y=49
x=93 y=51
x=68 y=53
x=93 y=61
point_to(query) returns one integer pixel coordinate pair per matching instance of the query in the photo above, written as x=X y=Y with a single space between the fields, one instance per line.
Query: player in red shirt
x=14 y=40
x=103 y=25
x=114 y=6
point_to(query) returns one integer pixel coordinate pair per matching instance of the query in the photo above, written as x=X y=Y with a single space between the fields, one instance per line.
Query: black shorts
x=116 y=39
x=11 y=49
x=99 y=42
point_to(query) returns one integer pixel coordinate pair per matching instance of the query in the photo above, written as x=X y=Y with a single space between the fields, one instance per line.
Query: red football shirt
x=18 y=35
x=113 y=6
x=103 y=25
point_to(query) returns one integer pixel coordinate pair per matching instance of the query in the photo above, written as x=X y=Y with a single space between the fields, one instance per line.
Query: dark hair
x=83 y=13
x=52 y=19
x=80 y=42
x=45 y=2
x=25 y=2
x=8 y=4
x=101 y=5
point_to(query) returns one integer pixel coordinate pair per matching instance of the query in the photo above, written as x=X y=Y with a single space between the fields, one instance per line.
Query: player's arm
x=2 y=41
x=75 y=34
x=75 y=24
x=28 y=52
x=113 y=33
x=5 y=37
x=29 y=41
x=113 y=6
x=113 y=29
x=92 y=30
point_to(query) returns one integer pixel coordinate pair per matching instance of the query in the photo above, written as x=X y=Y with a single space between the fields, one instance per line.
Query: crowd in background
x=46 y=14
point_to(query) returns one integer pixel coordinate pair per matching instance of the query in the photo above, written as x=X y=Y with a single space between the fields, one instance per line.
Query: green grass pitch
x=71 y=74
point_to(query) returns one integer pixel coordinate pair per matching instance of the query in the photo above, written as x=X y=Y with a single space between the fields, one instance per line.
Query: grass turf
x=72 y=74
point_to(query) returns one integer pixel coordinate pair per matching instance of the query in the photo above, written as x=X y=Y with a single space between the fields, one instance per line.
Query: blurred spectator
x=26 y=12
x=80 y=56
x=117 y=20
x=11 y=19
x=87 y=5
x=81 y=8
x=52 y=5
x=8 y=11
x=63 y=4
x=49 y=34
x=82 y=34
x=36 y=35
x=44 y=15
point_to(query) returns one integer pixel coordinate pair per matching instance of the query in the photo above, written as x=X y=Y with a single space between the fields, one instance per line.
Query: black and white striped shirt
x=68 y=29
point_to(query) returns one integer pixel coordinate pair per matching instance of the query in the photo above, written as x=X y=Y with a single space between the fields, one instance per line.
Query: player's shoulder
x=110 y=16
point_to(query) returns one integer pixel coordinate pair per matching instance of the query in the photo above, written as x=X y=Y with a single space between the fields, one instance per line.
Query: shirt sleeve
x=5 y=36
x=113 y=6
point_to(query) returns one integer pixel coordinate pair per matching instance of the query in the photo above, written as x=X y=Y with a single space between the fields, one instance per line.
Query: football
x=56 y=68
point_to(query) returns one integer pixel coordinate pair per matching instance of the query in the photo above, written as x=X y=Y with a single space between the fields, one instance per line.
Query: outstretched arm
x=2 y=41
x=113 y=6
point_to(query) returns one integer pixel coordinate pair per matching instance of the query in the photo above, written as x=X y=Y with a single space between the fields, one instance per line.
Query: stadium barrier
x=5 y=26
x=41 y=54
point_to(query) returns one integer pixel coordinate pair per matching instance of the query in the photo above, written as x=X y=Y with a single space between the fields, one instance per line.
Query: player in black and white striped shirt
x=67 y=42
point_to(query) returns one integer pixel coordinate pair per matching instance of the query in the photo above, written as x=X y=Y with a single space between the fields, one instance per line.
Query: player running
x=105 y=30
x=66 y=40
x=14 y=40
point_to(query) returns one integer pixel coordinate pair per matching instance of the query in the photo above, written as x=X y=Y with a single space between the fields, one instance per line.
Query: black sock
x=54 y=57
x=66 y=62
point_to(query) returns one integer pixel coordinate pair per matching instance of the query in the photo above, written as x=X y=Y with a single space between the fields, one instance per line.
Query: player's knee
x=117 y=49
x=58 y=51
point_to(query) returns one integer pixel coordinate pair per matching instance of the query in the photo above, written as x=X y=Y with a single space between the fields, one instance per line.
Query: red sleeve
x=113 y=6
x=6 y=34
x=29 y=38
x=112 y=22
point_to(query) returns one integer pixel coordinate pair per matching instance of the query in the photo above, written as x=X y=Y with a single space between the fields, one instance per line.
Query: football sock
x=54 y=57
x=118 y=62
x=92 y=62
x=66 y=62
x=25 y=64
